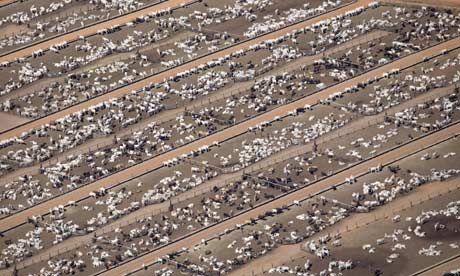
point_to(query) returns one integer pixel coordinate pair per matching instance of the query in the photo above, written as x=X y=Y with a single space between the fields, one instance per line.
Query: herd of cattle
x=256 y=165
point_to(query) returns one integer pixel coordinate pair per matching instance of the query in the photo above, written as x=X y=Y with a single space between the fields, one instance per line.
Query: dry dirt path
x=440 y=269
x=6 y=2
x=43 y=83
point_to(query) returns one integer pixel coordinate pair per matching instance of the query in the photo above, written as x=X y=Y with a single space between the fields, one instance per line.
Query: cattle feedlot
x=230 y=137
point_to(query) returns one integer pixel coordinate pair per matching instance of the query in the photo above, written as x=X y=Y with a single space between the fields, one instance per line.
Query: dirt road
x=240 y=128
x=300 y=194
x=6 y=2
x=172 y=72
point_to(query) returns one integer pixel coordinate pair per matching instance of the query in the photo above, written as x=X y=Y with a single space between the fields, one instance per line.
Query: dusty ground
x=9 y=121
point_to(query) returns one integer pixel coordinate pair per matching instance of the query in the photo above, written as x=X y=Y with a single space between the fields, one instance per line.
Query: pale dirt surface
x=8 y=121
x=435 y=195
x=283 y=254
x=41 y=84
x=357 y=222
x=286 y=251
x=223 y=179
x=5 y=2
x=441 y=269
x=229 y=132
x=171 y=114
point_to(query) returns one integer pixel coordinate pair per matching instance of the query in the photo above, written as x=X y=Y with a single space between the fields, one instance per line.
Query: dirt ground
x=9 y=121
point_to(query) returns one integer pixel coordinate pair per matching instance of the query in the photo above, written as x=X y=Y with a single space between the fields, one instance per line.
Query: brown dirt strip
x=166 y=74
x=6 y=2
x=223 y=135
